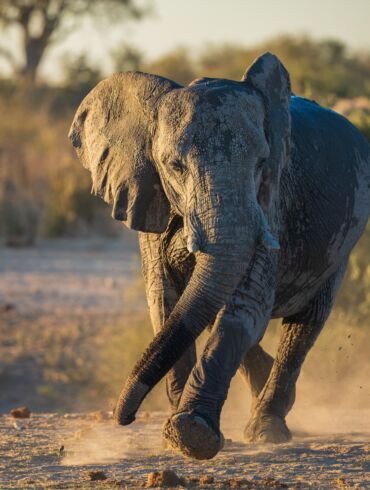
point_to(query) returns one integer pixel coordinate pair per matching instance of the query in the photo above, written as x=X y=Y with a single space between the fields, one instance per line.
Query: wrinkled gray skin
x=248 y=202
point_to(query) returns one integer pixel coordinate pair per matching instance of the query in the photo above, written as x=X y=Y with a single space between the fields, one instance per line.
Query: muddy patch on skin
x=191 y=435
x=267 y=429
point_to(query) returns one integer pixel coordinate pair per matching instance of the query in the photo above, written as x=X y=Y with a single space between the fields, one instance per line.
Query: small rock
x=165 y=478
x=237 y=483
x=6 y=307
x=206 y=480
x=20 y=413
x=95 y=475
x=272 y=483
x=17 y=426
x=99 y=416
x=234 y=483
x=340 y=482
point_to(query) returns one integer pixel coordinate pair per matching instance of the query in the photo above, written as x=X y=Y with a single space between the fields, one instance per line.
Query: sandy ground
x=55 y=300
x=80 y=277
x=53 y=451
x=59 y=295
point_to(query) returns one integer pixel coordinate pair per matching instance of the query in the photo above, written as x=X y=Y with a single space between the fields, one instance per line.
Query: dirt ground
x=64 y=307
x=54 y=451
x=56 y=301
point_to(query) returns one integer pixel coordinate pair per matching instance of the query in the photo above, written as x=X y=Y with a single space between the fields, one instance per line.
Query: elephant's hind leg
x=267 y=423
x=255 y=368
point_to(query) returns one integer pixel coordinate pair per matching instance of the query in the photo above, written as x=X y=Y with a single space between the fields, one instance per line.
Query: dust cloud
x=107 y=443
x=333 y=389
x=332 y=399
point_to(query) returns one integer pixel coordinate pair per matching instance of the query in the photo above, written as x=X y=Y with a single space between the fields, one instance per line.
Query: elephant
x=248 y=200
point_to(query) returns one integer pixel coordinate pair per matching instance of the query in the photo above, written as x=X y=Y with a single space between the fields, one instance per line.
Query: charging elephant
x=248 y=201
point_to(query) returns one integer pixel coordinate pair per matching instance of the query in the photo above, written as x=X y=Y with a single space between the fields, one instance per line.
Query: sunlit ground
x=73 y=322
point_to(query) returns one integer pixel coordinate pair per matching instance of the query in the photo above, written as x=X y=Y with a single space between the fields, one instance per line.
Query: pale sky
x=194 y=23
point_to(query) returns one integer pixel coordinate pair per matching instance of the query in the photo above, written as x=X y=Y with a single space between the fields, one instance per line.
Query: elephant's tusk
x=192 y=244
x=268 y=241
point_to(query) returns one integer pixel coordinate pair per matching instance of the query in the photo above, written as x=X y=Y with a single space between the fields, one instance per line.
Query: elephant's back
x=325 y=200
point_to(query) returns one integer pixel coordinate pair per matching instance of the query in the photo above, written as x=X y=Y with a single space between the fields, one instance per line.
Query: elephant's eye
x=178 y=166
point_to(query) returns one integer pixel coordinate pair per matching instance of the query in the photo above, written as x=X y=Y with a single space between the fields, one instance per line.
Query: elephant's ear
x=269 y=77
x=112 y=133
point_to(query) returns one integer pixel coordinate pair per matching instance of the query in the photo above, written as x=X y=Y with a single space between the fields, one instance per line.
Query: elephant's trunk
x=212 y=283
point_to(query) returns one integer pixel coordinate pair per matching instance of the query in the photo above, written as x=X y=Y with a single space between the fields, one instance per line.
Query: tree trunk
x=34 y=46
x=34 y=49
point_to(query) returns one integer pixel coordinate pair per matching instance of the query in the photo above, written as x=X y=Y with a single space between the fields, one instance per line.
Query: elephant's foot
x=192 y=436
x=267 y=428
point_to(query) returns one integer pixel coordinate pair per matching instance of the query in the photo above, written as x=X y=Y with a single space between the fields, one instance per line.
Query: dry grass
x=44 y=191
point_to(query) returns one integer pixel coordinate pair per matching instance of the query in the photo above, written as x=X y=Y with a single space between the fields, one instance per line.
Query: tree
x=41 y=23
x=80 y=74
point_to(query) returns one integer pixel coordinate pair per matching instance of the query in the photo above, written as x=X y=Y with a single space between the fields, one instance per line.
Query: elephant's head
x=213 y=152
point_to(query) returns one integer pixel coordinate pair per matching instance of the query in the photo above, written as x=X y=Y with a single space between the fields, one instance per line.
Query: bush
x=19 y=215
x=44 y=190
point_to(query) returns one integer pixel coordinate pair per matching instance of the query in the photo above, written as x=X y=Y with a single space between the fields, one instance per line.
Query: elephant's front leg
x=162 y=297
x=195 y=428
x=299 y=332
